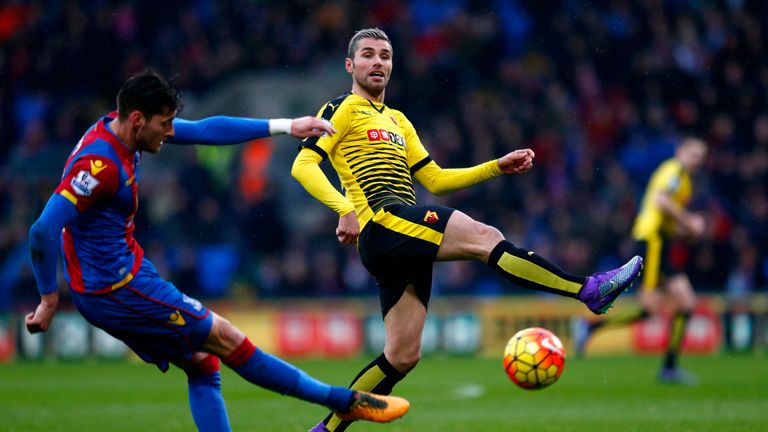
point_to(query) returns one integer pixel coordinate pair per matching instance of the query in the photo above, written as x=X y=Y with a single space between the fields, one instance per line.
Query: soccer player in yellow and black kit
x=376 y=152
x=663 y=217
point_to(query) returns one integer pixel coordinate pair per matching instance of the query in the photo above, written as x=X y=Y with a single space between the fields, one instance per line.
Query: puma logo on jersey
x=176 y=318
x=431 y=217
x=97 y=166
x=332 y=106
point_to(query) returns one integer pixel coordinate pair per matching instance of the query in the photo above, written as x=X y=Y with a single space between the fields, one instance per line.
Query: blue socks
x=205 y=399
x=207 y=404
x=274 y=374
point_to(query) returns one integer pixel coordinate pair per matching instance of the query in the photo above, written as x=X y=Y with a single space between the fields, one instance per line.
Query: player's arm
x=224 y=130
x=306 y=170
x=44 y=245
x=90 y=179
x=441 y=181
x=691 y=223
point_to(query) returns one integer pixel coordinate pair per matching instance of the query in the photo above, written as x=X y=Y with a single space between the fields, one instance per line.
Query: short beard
x=373 y=91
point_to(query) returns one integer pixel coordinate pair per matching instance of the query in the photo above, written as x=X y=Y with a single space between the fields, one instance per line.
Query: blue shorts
x=156 y=320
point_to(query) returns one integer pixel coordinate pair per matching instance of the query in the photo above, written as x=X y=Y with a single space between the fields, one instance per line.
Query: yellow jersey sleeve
x=438 y=180
x=306 y=170
x=441 y=181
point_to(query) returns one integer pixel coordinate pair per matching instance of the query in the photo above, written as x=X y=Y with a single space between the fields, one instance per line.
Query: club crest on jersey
x=84 y=183
x=97 y=166
x=431 y=217
x=176 y=318
x=383 y=135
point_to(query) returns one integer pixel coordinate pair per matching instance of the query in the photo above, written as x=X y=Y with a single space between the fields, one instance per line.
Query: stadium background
x=600 y=91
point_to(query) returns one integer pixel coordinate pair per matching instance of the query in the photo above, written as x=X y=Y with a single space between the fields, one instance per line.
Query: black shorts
x=399 y=246
x=658 y=261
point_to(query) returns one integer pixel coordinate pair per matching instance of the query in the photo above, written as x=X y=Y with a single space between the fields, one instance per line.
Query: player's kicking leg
x=260 y=368
x=466 y=238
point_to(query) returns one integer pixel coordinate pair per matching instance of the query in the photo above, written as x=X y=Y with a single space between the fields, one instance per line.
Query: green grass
x=446 y=394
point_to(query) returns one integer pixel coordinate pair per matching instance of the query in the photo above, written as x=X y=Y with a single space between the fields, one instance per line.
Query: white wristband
x=280 y=126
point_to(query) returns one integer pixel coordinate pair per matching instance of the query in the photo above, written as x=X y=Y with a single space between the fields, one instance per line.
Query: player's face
x=152 y=131
x=693 y=155
x=371 y=66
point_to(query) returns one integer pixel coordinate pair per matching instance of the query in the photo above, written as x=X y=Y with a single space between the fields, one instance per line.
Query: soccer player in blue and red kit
x=90 y=218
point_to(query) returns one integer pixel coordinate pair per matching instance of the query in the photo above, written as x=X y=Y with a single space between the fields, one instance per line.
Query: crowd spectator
x=599 y=90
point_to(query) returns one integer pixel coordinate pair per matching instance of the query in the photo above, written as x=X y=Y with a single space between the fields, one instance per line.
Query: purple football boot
x=601 y=289
x=320 y=427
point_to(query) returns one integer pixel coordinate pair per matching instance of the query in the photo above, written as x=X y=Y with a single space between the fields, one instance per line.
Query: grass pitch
x=446 y=394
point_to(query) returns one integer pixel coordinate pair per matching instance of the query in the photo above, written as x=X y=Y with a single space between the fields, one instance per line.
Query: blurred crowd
x=600 y=90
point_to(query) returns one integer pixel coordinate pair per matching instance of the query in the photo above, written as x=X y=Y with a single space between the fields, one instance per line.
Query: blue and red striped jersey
x=101 y=179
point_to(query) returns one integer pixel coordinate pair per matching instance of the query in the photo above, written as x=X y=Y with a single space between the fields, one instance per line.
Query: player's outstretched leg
x=277 y=375
x=272 y=373
x=598 y=291
x=601 y=289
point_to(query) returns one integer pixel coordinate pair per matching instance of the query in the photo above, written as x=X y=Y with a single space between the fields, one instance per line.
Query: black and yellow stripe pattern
x=375 y=152
x=378 y=377
x=526 y=269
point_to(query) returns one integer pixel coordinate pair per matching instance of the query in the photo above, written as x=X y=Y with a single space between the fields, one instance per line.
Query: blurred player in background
x=663 y=217
x=90 y=217
x=376 y=152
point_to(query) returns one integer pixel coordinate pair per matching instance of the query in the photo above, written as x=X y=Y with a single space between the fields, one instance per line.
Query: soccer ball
x=534 y=358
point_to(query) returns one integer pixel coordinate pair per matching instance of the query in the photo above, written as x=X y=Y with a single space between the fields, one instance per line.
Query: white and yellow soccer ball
x=534 y=358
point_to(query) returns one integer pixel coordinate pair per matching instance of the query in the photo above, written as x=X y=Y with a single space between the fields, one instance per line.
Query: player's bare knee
x=403 y=357
x=225 y=336
x=490 y=234
x=405 y=362
x=487 y=237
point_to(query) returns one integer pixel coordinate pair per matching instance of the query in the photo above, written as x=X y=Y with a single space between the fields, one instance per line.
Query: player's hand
x=348 y=229
x=696 y=225
x=308 y=126
x=40 y=319
x=516 y=162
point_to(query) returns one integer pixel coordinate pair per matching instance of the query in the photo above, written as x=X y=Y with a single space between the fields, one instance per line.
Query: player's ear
x=136 y=119
x=349 y=64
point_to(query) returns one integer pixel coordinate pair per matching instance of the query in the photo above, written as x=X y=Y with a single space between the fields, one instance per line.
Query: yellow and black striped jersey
x=671 y=178
x=375 y=153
